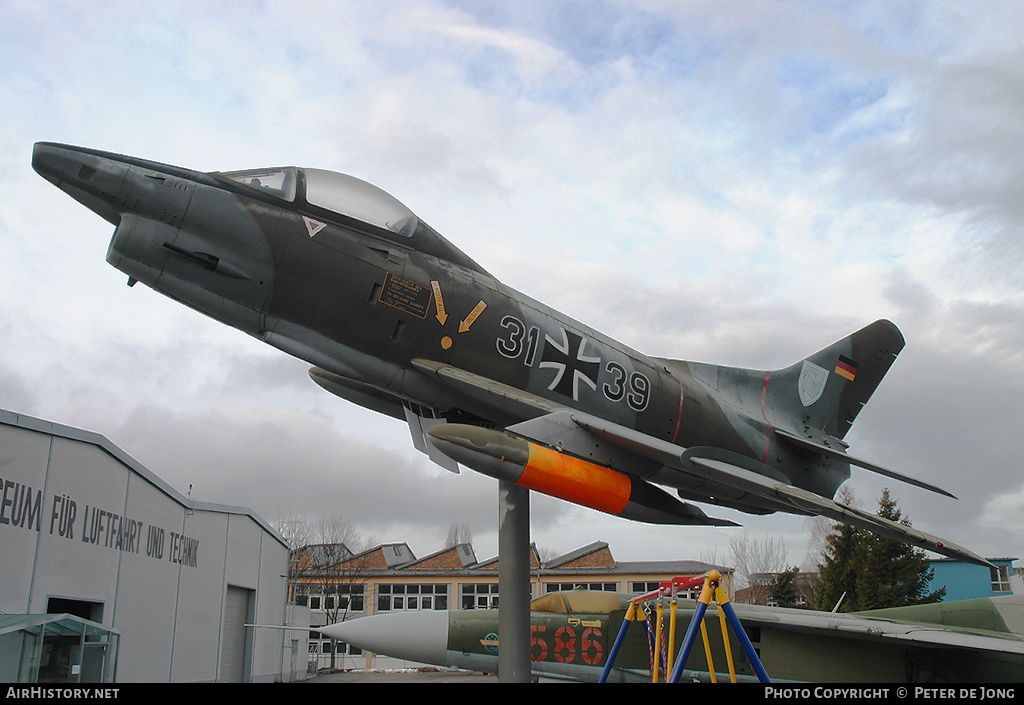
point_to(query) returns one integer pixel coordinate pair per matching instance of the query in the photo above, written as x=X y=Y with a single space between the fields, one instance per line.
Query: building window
x=320 y=645
x=481 y=596
x=344 y=598
x=1000 y=578
x=350 y=597
x=397 y=598
x=600 y=587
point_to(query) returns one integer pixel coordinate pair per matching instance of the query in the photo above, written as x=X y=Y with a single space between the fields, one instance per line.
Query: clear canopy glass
x=336 y=192
x=360 y=200
x=279 y=182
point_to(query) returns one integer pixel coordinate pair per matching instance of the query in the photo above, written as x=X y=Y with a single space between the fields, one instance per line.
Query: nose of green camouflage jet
x=94 y=179
x=49 y=161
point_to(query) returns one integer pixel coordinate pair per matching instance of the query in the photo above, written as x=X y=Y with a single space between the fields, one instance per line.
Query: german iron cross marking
x=570 y=363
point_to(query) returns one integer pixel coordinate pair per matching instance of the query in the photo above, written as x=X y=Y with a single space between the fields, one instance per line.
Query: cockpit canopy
x=351 y=198
x=579 y=601
x=358 y=199
x=278 y=182
x=336 y=192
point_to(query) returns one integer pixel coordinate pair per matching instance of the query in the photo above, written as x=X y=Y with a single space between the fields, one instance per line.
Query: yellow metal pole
x=707 y=652
x=657 y=639
x=672 y=628
x=725 y=641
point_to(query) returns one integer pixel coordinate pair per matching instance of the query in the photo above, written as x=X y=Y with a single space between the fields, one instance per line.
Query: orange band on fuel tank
x=575 y=480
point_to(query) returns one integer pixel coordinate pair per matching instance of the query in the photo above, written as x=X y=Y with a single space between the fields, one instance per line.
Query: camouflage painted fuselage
x=395 y=318
x=572 y=634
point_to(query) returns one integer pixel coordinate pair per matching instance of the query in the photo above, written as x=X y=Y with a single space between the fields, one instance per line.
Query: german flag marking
x=846 y=367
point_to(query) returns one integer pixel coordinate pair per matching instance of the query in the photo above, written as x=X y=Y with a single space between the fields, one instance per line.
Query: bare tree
x=293 y=528
x=710 y=556
x=328 y=567
x=756 y=561
x=547 y=554
x=458 y=533
x=335 y=529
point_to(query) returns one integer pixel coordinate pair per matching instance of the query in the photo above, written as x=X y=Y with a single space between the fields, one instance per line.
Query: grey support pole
x=513 y=583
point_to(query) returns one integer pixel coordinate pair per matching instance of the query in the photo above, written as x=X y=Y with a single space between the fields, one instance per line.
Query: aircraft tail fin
x=828 y=389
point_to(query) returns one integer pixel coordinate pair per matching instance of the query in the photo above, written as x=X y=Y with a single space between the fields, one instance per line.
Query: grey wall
x=79 y=519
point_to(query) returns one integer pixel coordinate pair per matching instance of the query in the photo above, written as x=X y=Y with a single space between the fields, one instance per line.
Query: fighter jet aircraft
x=395 y=318
x=572 y=635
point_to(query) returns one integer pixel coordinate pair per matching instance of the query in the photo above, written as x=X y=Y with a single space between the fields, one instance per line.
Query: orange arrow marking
x=441 y=316
x=471 y=318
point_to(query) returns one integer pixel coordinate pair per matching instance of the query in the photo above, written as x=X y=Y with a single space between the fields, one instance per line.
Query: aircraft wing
x=485 y=391
x=633 y=452
x=725 y=468
x=961 y=624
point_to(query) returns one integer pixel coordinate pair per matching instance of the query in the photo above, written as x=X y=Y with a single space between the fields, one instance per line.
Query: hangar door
x=234 y=655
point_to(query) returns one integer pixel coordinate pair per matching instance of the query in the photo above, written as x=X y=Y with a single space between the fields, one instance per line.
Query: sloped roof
x=457 y=557
x=31 y=423
x=598 y=551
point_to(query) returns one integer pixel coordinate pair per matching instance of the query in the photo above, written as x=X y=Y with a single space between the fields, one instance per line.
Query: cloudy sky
x=738 y=182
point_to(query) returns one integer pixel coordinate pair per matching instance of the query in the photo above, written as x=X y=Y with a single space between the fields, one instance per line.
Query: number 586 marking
x=589 y=645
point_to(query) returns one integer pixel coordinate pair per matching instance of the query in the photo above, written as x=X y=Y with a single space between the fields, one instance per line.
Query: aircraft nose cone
x=92 y=178
x=49 y=161
x=421 y=637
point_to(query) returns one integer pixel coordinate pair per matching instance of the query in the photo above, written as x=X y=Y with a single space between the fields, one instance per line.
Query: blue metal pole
x=618 y=643
x=691 y=636
x=748 y=648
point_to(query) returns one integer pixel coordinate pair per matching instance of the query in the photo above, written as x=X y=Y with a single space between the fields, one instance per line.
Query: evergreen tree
x=837 y=576
x=874 y=572
x=892 y=573
x=782 y=588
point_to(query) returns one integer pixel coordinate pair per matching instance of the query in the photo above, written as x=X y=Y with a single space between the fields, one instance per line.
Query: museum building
x=107 y=574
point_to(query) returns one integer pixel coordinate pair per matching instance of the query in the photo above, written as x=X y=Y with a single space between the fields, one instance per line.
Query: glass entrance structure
x=56 y=648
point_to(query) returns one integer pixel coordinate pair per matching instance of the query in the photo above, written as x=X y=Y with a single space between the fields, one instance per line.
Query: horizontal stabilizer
x=801 y=501
x=811 y=445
